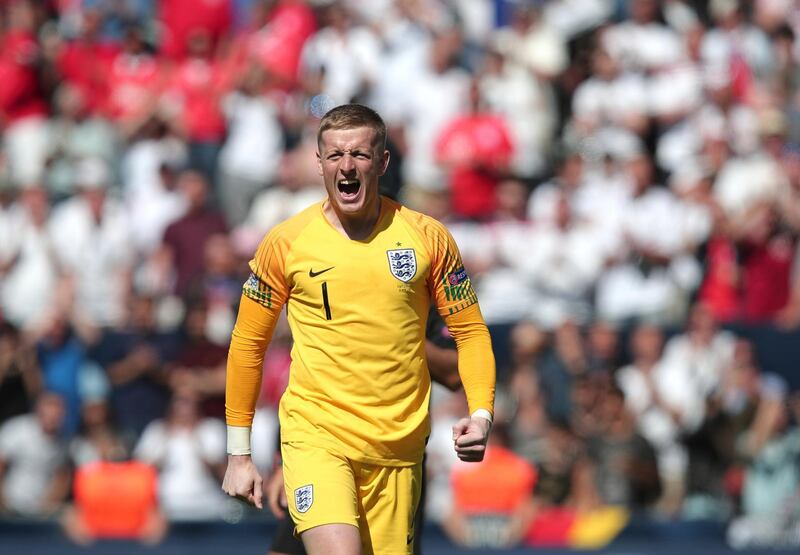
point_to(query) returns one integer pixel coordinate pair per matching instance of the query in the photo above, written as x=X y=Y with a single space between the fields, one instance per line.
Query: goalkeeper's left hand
x=470 y=436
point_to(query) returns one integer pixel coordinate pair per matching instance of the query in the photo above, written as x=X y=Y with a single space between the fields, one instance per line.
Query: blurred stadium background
x=622 y=176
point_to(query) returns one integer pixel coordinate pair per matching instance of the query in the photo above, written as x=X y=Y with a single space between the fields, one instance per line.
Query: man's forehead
x=348 y=139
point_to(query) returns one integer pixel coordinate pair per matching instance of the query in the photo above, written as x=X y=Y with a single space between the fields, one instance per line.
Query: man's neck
x=356 y=228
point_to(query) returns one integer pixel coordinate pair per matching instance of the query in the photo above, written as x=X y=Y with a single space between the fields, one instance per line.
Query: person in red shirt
x=183 y=249
x=136 y=80
x=86 y=61
x=194 y=92
x=477 y=149
x=23 y=108
x=182 y=18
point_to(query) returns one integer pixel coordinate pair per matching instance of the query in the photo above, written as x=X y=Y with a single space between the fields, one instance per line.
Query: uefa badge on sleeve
x=304 y=498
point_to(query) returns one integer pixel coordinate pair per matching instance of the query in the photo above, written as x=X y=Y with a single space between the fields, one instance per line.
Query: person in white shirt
x=250 y=158
x=189 y=452
x=648 y=395
x=28 y=276
x=92 y=238
x=34 y=477
x=342 y=60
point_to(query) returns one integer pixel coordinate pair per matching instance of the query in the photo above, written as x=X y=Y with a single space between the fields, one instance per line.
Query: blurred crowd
x=622 y=177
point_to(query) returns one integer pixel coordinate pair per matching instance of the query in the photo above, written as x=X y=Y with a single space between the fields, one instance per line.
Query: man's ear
x=319 y=164
x=384 y=162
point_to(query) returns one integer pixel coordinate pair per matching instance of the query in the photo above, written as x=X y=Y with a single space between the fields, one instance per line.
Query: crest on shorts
x=304 y=498
x=402 y=263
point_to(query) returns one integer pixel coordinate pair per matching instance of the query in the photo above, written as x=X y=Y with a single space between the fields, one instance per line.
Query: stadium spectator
x=250 y=159
x=150 y=170
x=183 y=249
x=492 y=502
x=341 y=60
x=62 y=351
x=34 y=474
x=20 y=375
x=92 y=239
x=476 y=148
x=85 y=61
x=182 y=18
x=624 y=462
x=28 y=269
x=23 y=103
x=192 y=99
x=134 y=357
x=131 y=513
x=200 y=364
x=74 y=134
x=188 y=451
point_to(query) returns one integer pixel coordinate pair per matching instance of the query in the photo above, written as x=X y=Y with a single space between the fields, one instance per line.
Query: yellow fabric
x=379 y=500
x=476 y=365
x=596 y=529
x=359 y=383
x=251 y=334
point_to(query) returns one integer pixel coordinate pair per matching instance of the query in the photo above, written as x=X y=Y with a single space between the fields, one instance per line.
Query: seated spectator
x=657 y=398
x=182 y=251
x=98 y=438
x=20 y=375
x=34 y=476
x=28 y=269
x=250 y=159
x=134 y=358
x=219 y=287
x=564 y=260
x=91 y=236
x=130 y=512
x=100 y=455
x=694 y=363
x=558 y=367
x=603 y=348
x=200 y=364
x=77 y=133
x=527 y=428
x=63 y=355
x=492 y=500
x=771 y=485
x=625 y=464
x=189 y=453
x=655 y=272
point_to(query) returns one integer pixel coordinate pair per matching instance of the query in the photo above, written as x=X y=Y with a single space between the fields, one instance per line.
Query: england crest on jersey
x=304 y=498
x=403 y=264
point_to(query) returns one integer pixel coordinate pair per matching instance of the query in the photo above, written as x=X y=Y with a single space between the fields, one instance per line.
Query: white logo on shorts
x=304 y=498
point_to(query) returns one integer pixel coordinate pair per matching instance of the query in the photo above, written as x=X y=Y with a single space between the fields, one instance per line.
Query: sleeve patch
x=258 y=291
x=457 y=276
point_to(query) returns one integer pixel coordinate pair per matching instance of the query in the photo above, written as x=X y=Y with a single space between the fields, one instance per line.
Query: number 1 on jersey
x=325 y=300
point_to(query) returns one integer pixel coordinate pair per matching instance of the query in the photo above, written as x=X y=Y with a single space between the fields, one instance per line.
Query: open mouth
x=348 y=188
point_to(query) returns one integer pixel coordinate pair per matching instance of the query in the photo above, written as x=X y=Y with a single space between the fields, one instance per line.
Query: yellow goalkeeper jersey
x=359 y=382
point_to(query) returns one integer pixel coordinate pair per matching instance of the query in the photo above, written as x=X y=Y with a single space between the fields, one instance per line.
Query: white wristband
x=483 y=413
x=238 y=440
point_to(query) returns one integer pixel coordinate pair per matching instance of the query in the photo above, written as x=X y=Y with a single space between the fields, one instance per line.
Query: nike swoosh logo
x=312 y=273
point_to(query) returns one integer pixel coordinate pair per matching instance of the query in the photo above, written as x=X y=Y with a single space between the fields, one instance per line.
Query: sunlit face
x=350 y=163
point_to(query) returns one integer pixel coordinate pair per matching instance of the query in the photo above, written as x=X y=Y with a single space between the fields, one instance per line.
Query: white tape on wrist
x=238 y=440
x=483 y=413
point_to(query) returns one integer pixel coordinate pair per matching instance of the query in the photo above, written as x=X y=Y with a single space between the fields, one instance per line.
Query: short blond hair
x=351 y=116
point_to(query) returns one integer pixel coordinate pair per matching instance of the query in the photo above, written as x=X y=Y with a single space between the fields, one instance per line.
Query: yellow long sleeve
x=251 y=335
x=476 y=364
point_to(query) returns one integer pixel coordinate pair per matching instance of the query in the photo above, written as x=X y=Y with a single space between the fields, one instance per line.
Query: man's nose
x=347 y=164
